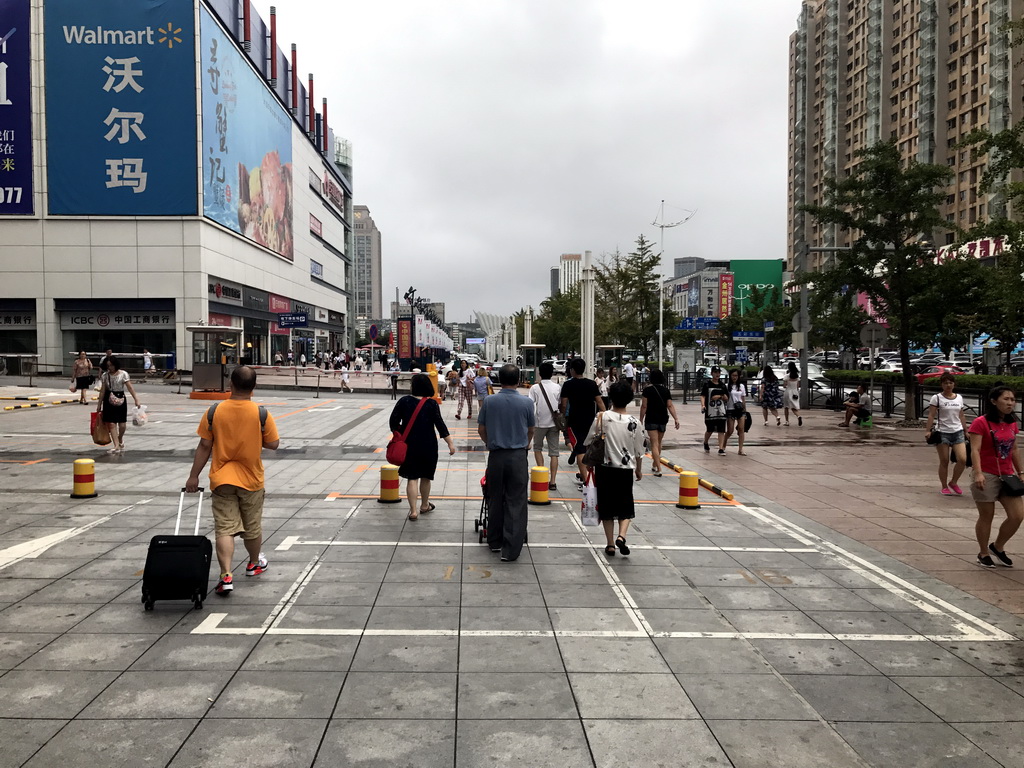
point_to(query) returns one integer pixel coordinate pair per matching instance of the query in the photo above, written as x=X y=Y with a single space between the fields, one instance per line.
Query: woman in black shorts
x=81 y=374
x=655 y=407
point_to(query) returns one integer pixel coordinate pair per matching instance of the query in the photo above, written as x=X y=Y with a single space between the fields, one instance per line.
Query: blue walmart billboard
x=121 y=107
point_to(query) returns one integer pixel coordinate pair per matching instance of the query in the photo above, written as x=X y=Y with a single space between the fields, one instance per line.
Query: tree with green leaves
x=557 y=326
x=759 y=306
x=837 y=320
x=950 y=324
x=889 y=206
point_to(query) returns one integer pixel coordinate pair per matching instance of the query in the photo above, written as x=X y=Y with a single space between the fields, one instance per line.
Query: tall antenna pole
x=661 y=286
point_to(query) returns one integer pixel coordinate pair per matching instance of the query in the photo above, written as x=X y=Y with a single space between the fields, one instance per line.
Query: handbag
x=748 y=421
x=588 y=506
x=557 y=416
x=98 y=429
x=397 y=448
x=1012 y=485
x=114 y=399
x=594 y=455
x=934 y=438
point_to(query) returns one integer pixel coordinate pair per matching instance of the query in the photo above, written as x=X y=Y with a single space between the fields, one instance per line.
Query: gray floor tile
x=860 y=698
x=685 y=620
x=913 y=745
x=650 y=575
x=407 y=654
x=23 y=737
x=509 y=654
x=610 y=696
x=699 y=558
x=710 y=655
x=398 y=695
x=516 y=696
x=392 y=617
x=284 y=694
x=71 y=590
x=813 y=657
x=354 y=553
x=398 y=744
x=1002 y=658
x=114 y=744
x=612 y=654
x=653 y=743
x=22 y=617
x=911 y=658
x=653 y=596
x=12 y=590
x=325 y=617
x=519 y=619
x=15 y=647
x=121 y=618
x=817 y=599
x=502 y=595
x=515 y=743
x=859 y=623
x=252 y=743
x=965 y=699
x=339 y=593
x=700 y=576
x=49 y=695
x=772 y=621
x=297 y=652
x=748 y=598
x=592 y=619
x=144 y=695
x=425 y=573
x=584 y=573
x=765 y=743
x=580 y=596
x=421 y=595
x=90 y=652
x=744 y=697
x=197 y=652
x=997 y=740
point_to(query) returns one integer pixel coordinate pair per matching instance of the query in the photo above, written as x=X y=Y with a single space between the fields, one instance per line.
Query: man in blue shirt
x=505 y=424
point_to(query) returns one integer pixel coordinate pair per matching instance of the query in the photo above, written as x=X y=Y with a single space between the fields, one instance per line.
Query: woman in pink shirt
x=995 y=456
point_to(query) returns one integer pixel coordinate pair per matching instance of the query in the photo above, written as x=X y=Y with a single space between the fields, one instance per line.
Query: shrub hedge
x=967 y=382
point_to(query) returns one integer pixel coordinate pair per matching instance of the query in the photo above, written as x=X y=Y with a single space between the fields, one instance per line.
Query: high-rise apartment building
x=553 y=288
x=923 y=73
x=570 y=270
x=366 y=282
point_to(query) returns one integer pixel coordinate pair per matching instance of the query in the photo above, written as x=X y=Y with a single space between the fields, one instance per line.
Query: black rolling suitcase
x=178 y=567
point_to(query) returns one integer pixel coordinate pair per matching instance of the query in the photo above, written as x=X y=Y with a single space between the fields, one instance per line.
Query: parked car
x=559 y=365
x=928 y=358
x=932 y=373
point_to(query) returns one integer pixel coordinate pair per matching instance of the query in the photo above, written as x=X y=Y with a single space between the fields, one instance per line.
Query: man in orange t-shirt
x=236 y=475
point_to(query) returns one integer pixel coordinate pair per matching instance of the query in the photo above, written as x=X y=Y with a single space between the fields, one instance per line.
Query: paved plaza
x=831 y=615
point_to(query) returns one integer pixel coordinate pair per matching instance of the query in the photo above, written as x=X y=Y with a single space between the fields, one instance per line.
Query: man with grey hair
x=506 y=424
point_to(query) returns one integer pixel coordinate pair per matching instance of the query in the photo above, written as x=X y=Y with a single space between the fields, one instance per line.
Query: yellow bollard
x=539 y=485
x=688 y=488
x=84 y=480
x=432 y=373
x=389 y=484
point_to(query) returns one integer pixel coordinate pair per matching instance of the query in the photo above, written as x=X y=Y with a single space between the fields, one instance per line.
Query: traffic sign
x=748 y=335
x=686 y=324
x=292 y=320
x=706 y=323
x=873 y=335
x=769 y=325
x=798 y=324
x=742 y=355
x=373 y=332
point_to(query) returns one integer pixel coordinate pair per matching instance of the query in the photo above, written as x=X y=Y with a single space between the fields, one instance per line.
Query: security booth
x=609 y=355
x=214 y=356
x=532 y=355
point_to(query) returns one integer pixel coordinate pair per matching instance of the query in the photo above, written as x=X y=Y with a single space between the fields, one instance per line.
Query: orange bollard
x=389 y=484
x=688 y=489
x=84 y=486
x=539 y=485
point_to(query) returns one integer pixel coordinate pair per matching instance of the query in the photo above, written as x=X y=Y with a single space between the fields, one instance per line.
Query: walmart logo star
x=170 y=35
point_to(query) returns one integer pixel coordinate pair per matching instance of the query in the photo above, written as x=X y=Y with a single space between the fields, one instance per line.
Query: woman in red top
x=994 y=455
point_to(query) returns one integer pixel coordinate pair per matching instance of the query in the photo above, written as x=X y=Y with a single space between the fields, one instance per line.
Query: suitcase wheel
x=149 y=605
x=199 y=605
x=476 y=525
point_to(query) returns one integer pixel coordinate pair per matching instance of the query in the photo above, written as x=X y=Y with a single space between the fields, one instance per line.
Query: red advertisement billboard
x=405 y=338
x=725 y=293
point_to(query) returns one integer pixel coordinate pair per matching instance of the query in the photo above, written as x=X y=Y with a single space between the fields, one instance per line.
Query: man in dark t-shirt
x=580 y=401
x=713 y=399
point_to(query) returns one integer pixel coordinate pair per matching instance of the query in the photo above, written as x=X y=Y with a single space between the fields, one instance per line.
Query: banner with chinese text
x=404 y=338
x=120 y=107
x=725 y=293
x=247 y=146
x=15 y=109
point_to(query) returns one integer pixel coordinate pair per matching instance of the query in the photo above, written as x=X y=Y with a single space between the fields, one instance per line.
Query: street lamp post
x=661 y=286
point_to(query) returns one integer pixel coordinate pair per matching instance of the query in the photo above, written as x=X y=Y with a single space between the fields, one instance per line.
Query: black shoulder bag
x=559 y=418
x=1012 y=485
x=935 y=437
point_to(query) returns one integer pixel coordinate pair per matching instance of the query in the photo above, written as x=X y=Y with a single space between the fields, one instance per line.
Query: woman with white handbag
x=113 y=404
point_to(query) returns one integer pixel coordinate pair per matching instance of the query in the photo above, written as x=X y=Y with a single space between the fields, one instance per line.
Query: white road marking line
x=34 y=548
x=896 y=584
x=291 y=541
x=287 y=543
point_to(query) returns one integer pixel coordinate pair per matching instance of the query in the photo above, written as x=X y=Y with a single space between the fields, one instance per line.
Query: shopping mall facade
x=163 y=166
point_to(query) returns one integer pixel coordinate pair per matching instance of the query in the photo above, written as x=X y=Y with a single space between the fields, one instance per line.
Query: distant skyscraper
x=688 y=265
x=570 y=267
x=366 y=283
x=553 y=290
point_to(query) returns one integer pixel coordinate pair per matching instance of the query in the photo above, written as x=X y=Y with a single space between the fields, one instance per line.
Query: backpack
x=210 y=411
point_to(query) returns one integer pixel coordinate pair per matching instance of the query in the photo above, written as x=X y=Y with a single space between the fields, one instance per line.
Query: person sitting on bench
x=858 y=410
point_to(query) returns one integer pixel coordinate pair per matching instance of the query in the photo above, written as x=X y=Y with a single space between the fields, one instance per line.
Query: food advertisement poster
x=247 y=146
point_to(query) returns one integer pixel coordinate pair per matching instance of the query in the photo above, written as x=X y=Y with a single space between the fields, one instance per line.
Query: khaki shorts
x=991 y=493
x=237 y=511
x=553 y=437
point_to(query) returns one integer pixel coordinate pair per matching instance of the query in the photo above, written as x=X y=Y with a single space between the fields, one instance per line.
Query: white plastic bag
x=139 y=417
x=588 y=508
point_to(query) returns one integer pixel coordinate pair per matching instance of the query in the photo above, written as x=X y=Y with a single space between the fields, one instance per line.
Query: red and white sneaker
x=225 y=585
x=255 y=569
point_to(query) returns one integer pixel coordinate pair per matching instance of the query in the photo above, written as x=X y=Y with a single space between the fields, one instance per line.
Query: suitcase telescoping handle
x=181 y=504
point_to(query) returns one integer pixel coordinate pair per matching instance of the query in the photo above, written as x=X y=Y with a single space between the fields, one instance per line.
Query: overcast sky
x=489 y=137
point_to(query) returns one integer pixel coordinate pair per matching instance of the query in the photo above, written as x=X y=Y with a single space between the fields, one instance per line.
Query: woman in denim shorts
x=946 y=416
x=994 y=456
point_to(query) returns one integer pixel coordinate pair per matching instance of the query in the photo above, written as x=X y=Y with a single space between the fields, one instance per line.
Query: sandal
x=414 y=517
x=620 y=542
x=430 y=508
x=609 y=550
x=656 y=473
